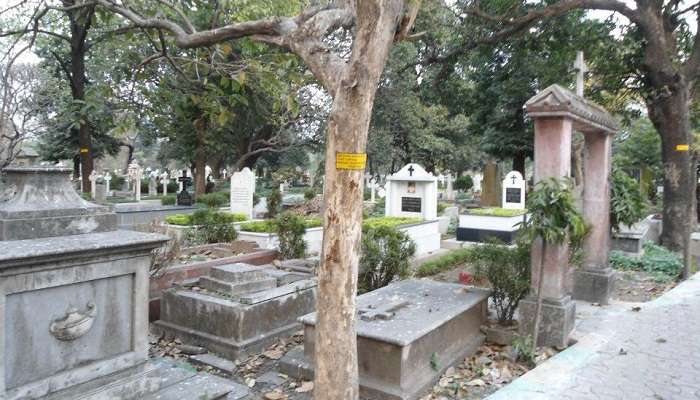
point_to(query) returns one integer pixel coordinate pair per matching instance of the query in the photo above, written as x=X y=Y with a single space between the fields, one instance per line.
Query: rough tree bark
x=200 y=158
x=352 y=84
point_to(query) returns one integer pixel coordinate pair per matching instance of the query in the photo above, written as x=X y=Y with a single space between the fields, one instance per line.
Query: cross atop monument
x=186 y=180
x=410 y=170
x=513 y=178
x=581 y=68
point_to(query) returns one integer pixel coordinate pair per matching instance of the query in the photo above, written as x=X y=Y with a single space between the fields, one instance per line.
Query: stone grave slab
x=237 y=309
x=403 y=331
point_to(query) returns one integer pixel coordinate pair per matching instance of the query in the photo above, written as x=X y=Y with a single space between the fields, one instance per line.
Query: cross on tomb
x=581 y=69
x=383 y=311
x=186 y=180
x=410 y=170
x=513 y=178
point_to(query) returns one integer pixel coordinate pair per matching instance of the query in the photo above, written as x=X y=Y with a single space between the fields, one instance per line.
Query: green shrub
x=444 y=263
x=441 y=208
x=291 y=229
x=496 y=212
x=389 y=222
x=117 y=182
x=213 y=200
x=309 y=194
x=274 y=203
x=386 y=253
x=626 y=202
x=662 y=263
x=266 y=226
x=168 y=200
x=508 y=271
x=379 y=208
x=178 y=219
x=212 y=227
x=464 y=183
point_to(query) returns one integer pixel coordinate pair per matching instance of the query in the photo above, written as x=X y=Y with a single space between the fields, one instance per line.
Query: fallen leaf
x=250 y=382
x=636 y=308
x=276 y=395
x=306 y=386
x=274 y=354
x=476 y=382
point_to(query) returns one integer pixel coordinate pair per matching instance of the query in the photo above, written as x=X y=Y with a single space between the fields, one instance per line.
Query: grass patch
x=663 y=264
x=496 y=212
x=389 y=222
x=445 y=262
x=270 y=226
x=187 y=219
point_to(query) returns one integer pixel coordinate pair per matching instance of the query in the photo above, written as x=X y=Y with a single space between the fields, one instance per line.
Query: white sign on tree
x=514 y=191
x=242 y=190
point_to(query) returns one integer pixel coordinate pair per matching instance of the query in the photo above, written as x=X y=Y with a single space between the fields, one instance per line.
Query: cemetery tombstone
x=164 y=180
x=513 y=191
x=153 y=184
x=412 y=192
x=184 y=198
x=93 y=183
x=242 y=190
x=108 y=179
x=135 y=173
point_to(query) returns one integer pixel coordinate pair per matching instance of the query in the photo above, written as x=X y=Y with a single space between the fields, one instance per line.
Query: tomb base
x=242 y=314
x=408 y=334
x=594 y=285
x=556 y=323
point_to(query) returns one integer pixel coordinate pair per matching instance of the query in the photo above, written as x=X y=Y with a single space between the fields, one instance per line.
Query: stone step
x=238 y=272
x=237 y=288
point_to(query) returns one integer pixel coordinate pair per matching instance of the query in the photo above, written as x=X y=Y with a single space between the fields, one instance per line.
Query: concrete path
x=653 y=353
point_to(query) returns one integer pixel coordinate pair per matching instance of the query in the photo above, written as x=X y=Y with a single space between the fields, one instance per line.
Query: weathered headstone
x=93 y=182
x=184 y=198
x=491 y=185
x=242 y=191
x=135 y=173
x=164 y=180
x=412 y=192
x=153 y=183
x=514 y=191
x=108 y=179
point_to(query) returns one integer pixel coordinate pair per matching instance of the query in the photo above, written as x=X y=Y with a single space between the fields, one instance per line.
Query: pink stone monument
x=557 y=113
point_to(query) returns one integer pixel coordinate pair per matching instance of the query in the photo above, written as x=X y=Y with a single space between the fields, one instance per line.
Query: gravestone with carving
x=242 y=190
x=513 y=191
x=74 y=300
x=184 y=198
x=412 y=192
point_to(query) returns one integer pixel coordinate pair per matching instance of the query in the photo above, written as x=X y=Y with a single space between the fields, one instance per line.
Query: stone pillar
x=552 y=159
x=594 y=282
x=450 y=189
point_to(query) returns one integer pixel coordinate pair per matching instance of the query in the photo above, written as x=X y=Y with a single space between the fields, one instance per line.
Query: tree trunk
x=335 y=343
x=670 y=116
x=519 y=164
x=200 y=160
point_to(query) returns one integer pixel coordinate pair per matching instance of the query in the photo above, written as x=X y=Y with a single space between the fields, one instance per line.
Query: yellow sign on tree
x=350 y=161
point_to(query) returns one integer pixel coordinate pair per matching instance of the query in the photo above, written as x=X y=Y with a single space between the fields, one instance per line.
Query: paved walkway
x=653 y=354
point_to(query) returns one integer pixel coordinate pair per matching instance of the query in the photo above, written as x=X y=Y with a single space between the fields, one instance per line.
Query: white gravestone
x=153 y=184
x=242 y=190
x=108 y=179
x=514 y=191
x=93 y=183
x=164 y=180
x=477 y=178
x=135 y=172
x=412 y=192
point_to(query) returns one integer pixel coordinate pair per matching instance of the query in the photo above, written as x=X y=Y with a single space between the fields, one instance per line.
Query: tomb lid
x=555 y=101
x=412 y=308
x=38 y=202
x=412 y=172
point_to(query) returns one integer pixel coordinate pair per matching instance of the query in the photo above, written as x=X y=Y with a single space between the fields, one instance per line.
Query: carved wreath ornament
x=75 y=324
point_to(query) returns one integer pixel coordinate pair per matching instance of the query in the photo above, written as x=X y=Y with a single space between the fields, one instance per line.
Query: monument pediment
x=556 y=101
x=413 y=172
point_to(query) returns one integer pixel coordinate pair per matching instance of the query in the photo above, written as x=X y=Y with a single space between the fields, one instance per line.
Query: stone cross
x=581 y=68
x=135 y=172
x=93 y=183
x=184 y=181
x=108 y=178
x=410 y=170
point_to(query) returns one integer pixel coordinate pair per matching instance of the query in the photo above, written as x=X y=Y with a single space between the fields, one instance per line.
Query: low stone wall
x=136 y=216
x=186 y=272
